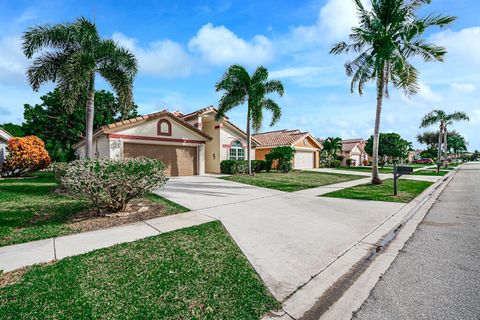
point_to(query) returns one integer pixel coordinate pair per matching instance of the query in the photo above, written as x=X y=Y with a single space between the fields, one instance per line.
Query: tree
x=332 y=146
x=73 y=55
x=60 y=129
x=428 y=138
x=15 y=130
x=388 y=37
x=25 y=155
x=239 y=88
x=443 y=120
x=391 y=147
x=456 y=143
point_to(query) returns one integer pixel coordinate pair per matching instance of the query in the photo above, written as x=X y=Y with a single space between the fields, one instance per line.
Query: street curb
x=340 y=289
x=352 y=300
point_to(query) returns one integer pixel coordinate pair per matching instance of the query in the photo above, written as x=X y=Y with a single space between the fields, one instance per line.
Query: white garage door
x=356 y=158
x=304 y=160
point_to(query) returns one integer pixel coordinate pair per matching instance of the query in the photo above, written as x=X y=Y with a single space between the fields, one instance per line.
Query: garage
x=304 y=160
x=357 y=159
x=179 y=160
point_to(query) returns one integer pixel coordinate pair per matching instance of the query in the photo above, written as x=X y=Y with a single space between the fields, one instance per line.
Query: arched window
x=236 y=151
x=164 y=128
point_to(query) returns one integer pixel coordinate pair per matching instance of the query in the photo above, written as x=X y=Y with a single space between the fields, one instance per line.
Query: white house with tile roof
x=4 y=137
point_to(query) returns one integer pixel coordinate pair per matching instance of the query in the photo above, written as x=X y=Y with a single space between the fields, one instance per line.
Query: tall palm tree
x=388 y=36
x=240 y=88
x=443 y=119
x=332 y=146
x=72 y=55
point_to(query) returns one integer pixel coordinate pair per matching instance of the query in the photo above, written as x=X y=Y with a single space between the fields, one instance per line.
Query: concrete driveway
x=288 y=237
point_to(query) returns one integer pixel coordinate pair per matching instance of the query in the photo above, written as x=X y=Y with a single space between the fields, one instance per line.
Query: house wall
x=3 y=150
x=212 y=148
x=261 y=153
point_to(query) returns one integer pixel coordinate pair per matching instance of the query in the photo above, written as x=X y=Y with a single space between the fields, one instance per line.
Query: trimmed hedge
x=241 y=166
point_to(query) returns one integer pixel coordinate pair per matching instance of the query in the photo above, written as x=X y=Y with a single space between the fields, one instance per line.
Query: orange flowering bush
x=25 y=155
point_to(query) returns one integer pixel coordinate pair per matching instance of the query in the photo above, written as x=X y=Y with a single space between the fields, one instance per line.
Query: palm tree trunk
x=376 y=132
x=249 y=142
x=439 y=155
x=445 y=147
x=89 y=117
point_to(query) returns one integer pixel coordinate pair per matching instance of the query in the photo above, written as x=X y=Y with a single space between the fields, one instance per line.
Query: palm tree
x=240 y=88
x=73 y=54
x=388 y=36
x=443 y=119
x=456 y=143
x=332 y=146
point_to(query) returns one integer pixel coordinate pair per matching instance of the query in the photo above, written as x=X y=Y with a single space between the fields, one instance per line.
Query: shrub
x=234 y=166
x=227 y=166
x=111 y=184
x=282 y=156
x=59 y=169
x=365 y=162
x=334 y=163
x=25 y=155
x=349 y=162
x=340 y=157
x=259 y=165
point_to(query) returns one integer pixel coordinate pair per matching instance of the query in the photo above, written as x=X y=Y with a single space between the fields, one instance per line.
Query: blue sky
x=184 y=47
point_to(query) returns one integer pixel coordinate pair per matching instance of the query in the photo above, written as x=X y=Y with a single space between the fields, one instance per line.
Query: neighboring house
x=354 y=149
x=190 y=144
x=307 y=148
x=4 y=137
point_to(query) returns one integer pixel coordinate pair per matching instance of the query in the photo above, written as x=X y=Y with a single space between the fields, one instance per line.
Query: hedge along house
x=4 y=138
x=190 y=144
x=354 y=149
x=307 y=148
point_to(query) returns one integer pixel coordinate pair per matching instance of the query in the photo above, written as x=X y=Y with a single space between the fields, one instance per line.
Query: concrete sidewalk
x=25 y=254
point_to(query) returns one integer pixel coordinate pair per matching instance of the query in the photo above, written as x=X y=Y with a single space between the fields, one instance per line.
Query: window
x=164 y=128
x=236 y=151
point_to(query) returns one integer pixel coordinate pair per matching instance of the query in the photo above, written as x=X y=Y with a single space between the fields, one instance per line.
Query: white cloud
x=428 y=94
x=334 y=23
x=162 y=58
x=220 y=46
x=295 y=72
x=463 y=87
x=13 y=63
x=461 y=45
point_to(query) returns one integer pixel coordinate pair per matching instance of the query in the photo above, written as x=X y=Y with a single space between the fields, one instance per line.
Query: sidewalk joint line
x=54 y=250
x=148 y=224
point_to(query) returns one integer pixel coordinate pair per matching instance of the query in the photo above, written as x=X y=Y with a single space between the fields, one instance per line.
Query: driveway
x=288 y=237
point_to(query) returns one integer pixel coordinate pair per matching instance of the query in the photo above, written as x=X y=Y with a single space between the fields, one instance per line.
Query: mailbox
x=404 y=169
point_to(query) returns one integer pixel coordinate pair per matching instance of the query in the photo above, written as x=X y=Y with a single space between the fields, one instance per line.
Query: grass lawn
x=292 y=181
x=30 y=210
x=194 y=273
x=407 y=190
x=367 y=169
x=431 y=172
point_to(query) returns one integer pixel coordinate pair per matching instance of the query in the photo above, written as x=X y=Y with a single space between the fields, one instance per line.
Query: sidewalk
x=25 y=254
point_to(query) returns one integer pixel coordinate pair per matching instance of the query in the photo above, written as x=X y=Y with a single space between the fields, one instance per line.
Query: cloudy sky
x=183 y=48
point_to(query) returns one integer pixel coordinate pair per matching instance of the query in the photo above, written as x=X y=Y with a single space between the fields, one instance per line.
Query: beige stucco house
x=188 y=144
x=354 y=149
x=307 y=148
x=4 y=137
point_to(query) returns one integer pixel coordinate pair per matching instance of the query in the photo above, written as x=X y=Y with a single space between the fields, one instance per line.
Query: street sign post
x=398 y=171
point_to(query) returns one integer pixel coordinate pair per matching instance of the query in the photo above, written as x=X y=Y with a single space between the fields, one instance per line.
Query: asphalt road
x=437 y=274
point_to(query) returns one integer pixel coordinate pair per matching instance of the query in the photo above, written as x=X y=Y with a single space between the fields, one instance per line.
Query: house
x=4 y=137
x=188 y=144
x=307 y=148
x=354 y=149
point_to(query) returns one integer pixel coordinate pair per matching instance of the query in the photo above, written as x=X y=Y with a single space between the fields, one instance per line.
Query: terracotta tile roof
x=202 y=111
x=280 y=137
x=349 y=144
